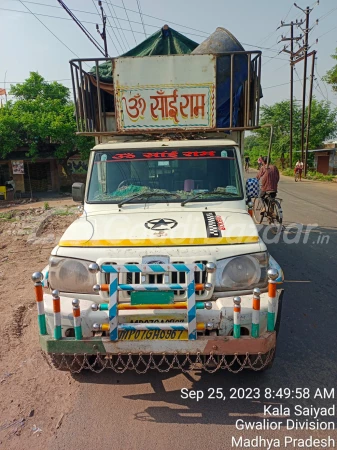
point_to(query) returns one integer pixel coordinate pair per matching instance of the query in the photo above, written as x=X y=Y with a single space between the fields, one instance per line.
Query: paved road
x=147 y=412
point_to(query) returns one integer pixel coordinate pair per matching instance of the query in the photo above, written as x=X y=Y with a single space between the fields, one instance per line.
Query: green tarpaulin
x=166 y=41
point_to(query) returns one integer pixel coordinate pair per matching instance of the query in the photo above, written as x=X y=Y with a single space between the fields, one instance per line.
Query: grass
x=311 y=175
x=64 y=212
x=7 y=216
x=46 y=206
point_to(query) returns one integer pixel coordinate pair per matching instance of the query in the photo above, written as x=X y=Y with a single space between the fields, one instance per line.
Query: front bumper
x=221 y=315
x=204 y=345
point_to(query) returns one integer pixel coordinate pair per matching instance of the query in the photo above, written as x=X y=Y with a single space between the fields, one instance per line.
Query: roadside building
x=325 y=159
x=41 y=174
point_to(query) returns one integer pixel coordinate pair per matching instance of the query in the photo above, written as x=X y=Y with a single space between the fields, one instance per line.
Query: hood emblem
x=161 y=224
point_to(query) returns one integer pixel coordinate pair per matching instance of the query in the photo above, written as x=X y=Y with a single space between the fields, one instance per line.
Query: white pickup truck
x=164 y=261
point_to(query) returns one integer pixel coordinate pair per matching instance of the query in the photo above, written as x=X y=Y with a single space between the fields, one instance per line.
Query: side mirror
x=252 y=188
x=78 y=190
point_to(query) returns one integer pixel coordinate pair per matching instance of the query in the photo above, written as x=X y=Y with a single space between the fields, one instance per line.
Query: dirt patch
x=33 y=395
x=56 y=224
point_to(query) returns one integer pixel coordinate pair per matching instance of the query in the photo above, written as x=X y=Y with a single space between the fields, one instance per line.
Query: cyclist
x=247 y=161
x=269 y=177
x=299 y=168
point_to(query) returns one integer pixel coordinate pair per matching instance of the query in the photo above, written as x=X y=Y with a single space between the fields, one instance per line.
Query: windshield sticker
x=161 y=224
x=220 y=223
x=211 y=225
x=169 y=154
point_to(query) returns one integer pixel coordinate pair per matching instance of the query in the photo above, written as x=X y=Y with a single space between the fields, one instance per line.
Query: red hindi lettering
x=209 y=153
x=165 y=104
x=124 y=156
x=135 y=107
x=173 y=154
x=200 y=154
x=196 y=104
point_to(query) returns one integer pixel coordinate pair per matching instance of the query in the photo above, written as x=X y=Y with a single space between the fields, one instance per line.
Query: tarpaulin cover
x=166 y=41
x=222 y=41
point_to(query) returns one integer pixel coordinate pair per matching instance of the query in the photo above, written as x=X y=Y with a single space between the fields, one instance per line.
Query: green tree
x=323 y=125
x=331 y=75
x=41 y=117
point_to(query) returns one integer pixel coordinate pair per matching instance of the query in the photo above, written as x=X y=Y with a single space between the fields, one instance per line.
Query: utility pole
x=305 y=49
x=82 y=27
x=291 y=53
x=309 y=111
x=103 y=33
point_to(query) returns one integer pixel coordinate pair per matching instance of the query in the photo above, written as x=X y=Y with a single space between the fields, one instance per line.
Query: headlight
x=71 y=275
x=242 y=272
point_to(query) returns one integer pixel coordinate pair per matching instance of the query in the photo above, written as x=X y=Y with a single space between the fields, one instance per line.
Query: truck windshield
x=175 y=174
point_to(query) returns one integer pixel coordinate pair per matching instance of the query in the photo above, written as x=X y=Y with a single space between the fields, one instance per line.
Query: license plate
x=153 y=335
x=155 y=319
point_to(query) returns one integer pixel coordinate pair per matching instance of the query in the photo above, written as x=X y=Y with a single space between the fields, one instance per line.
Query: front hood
x=161 y=229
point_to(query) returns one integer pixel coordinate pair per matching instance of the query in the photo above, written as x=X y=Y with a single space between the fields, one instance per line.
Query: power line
x=121 y=46
x=127 y=16
x=141 y=17
x=158 y=18
x=277 y=85
x=112 y=41
x=85 y=21
x=65 y=45
x=122 y=35
x=82 y=27
x=130 y=21
x=332 y=29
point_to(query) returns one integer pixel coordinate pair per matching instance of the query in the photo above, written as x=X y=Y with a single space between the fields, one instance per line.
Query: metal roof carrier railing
x=92 y=95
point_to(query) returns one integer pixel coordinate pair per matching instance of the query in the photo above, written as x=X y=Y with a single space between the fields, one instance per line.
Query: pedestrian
x=269 y=178
x=299 y=168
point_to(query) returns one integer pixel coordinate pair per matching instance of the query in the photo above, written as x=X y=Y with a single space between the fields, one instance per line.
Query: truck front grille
x=166 y=278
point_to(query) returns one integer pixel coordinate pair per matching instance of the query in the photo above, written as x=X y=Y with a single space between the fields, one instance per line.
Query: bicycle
x=297 y=176
x=272 y=211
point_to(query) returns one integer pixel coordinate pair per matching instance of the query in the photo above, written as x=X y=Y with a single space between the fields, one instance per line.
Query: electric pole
x=309 y=110
x=103 y=33
x=305 y=49
x=291 y=53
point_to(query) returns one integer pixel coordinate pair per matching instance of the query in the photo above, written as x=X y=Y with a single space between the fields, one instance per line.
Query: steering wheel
x=128 y=182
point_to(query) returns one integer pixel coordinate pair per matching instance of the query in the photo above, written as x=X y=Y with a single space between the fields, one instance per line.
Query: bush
x=319 y=176
x=311 y=175
x=288 y=172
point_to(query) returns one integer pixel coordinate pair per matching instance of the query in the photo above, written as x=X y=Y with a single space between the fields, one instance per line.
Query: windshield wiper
x=190 y=199
x=146 y=194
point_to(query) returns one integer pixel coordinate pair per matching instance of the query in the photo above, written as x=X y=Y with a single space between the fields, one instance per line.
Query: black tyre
x=258 y=205
x=275 y=217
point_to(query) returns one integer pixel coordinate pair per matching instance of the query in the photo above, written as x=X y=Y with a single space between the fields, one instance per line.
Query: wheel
x=275 y=216
x=297 y=176
x=257 y=208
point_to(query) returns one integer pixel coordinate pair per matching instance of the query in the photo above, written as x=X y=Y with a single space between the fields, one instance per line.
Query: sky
x=27 y=45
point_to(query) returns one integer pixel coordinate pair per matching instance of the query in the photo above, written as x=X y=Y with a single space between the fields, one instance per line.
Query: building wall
x=332 y=160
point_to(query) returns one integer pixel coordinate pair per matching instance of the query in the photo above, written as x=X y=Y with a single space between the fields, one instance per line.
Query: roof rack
x=95 y=99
